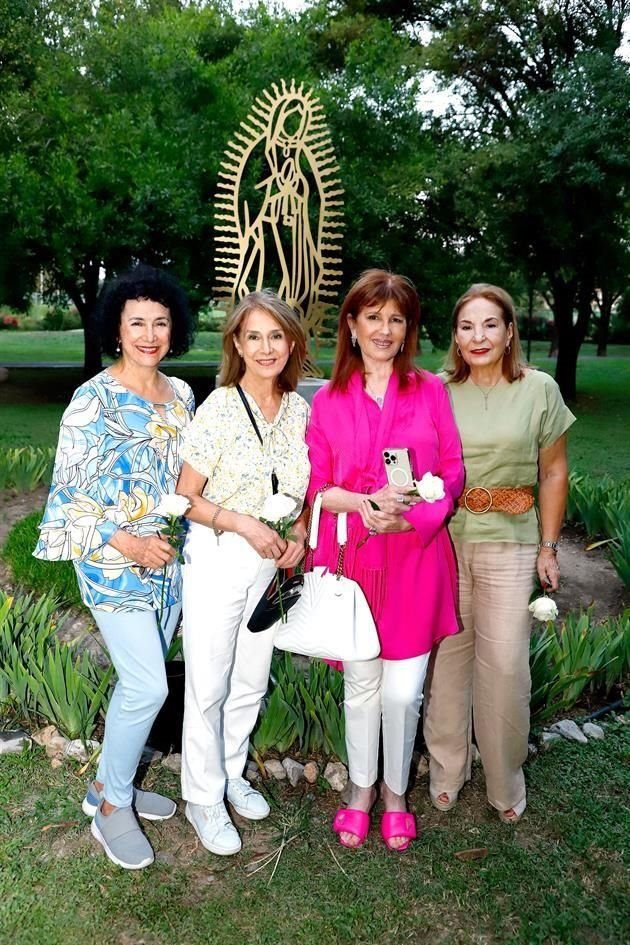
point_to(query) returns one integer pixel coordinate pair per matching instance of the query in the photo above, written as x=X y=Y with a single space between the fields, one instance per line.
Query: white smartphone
x=398 y=468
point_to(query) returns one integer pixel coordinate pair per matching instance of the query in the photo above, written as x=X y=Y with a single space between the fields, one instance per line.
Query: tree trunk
x=605 y=312
x=564 y=298
x=86 y=306
x=566 y=366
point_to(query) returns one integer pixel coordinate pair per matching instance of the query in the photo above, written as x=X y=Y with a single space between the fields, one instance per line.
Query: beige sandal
x=513 y=814
x=444 y=805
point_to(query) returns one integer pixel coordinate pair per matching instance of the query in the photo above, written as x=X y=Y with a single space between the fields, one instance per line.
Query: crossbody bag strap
x=250 y=414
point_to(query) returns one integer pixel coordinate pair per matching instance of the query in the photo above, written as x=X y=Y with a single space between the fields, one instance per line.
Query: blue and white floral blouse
x=117 y=456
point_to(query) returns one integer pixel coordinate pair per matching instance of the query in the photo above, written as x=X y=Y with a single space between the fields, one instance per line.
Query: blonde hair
x=513 y=362
x=232 y=365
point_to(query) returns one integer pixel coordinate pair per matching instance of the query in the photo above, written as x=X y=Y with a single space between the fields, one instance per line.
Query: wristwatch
x=552 y=545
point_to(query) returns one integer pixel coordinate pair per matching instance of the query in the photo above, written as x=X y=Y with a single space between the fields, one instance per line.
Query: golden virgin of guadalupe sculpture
x=278 y=213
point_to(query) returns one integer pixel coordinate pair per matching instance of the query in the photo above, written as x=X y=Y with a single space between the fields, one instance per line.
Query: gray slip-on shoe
x=147 y=804
x=122 y=839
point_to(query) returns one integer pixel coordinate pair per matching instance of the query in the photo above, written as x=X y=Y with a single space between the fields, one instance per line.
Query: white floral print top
x=116 y=457
x=221 y=444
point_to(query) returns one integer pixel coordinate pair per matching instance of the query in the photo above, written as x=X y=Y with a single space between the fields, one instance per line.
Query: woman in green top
x=513 y=423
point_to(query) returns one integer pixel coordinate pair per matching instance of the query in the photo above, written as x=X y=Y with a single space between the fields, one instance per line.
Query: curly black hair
x=144 y=282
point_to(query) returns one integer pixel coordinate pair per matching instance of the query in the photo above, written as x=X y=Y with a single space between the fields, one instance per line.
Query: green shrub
x=27 y=628
x=43 y=678
x=69 y=689
x=302 y=709
x=579 y=655
x=45 y=577
x=26 y=467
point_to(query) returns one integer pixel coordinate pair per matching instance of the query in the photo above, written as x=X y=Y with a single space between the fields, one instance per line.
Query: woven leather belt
x=512 y=501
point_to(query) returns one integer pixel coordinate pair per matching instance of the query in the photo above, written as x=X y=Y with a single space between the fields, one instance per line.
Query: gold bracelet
x=217 y=531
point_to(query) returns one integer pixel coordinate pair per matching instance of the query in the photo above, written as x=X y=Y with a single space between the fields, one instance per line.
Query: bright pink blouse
x=409 y=578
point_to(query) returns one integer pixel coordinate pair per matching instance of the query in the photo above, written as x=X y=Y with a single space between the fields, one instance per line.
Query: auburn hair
x=374 y=288
x=233 y=366
x=513 y=363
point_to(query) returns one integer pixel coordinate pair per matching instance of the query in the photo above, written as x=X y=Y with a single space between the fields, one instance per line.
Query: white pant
x=227 y=666
x=391 y=691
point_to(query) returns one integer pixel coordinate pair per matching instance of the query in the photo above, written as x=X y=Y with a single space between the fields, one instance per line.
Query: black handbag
x=268 y=610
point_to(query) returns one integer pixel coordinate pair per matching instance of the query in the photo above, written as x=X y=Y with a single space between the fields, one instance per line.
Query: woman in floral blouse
x=233 y=463
x=118 y=454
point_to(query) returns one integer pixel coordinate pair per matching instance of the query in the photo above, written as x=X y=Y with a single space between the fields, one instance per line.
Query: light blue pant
x=137 y=648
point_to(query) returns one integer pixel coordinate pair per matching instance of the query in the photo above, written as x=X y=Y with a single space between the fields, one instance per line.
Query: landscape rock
x=532 y=750
x=252 y=772
x=569 y=730
x=11 y=743
x=83 y=753
x=294 y=770
x=593 y=731
x=476 y=756
x=336 y=774
x=311 y=772
x=548 y=738
x=274 y=769
x=173 y=762
x=150 y=756
x=53 y=743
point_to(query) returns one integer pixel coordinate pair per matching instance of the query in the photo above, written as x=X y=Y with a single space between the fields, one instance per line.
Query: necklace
x=379 y=398
x=485 y=393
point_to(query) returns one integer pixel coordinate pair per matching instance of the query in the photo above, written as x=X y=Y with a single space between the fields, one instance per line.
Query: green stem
x=283 y=616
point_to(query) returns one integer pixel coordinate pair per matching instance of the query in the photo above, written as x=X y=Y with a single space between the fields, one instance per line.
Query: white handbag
x=332 y=619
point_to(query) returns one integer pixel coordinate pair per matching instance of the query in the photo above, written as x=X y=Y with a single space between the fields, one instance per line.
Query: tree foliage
x=114 y=118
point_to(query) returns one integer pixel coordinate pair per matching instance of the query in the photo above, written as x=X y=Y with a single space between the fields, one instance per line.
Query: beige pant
x=481 y=675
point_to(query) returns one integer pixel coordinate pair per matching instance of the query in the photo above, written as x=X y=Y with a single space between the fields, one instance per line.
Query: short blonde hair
x=232 y=365
x=513 y=362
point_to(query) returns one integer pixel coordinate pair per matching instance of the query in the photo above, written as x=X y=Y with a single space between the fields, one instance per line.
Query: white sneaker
x=214 y=828
x=246 y=801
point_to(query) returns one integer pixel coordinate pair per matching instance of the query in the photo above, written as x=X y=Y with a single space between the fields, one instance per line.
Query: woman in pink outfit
x=398 y=547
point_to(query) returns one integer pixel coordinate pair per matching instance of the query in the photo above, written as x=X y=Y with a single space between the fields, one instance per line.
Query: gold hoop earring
x=508 y=348
x=458 y=350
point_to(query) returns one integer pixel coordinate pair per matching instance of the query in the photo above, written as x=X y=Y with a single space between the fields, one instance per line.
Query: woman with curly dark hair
x=118 y=455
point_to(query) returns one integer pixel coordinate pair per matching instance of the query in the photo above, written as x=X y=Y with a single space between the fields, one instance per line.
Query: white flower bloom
x=172 y=504
x=278 y=506
x=430 y=488
x=543 y=608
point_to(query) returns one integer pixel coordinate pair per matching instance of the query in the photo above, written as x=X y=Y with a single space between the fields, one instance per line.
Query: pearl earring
x=118 y=347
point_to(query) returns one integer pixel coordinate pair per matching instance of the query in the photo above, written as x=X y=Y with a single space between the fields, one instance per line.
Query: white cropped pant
x=387 y=691
x=227 y=666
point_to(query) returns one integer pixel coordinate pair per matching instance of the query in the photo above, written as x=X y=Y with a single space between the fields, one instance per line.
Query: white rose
x=430 y=488
x=543 y=608
x=277 y=507
x=172 y=504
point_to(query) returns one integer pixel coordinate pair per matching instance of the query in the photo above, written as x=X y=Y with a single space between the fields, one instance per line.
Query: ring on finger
x=400 y=498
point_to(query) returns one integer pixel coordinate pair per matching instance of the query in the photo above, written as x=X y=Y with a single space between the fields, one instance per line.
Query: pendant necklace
x=485 y=393
x=379 y=398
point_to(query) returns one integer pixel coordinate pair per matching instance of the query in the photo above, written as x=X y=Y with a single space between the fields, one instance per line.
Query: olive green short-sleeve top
x=502 y=434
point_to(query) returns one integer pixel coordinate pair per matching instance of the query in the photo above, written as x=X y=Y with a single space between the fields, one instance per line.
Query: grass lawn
x=555 y=879
x=32 y=401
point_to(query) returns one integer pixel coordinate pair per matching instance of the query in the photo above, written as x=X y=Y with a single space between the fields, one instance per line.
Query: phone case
x=398 y=468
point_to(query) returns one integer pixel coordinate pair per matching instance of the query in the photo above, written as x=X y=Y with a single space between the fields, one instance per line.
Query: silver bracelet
x=552 y=545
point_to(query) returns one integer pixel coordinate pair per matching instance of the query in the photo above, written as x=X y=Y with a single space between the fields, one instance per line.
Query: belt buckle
x=478 y=489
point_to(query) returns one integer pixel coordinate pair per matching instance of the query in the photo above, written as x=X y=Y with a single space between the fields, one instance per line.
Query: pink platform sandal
x=396 y=823
x=356 y=822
